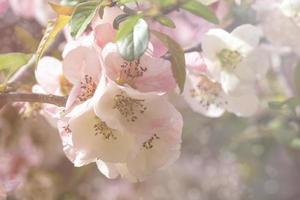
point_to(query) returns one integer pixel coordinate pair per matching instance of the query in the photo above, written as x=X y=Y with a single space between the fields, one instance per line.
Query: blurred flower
x=234 y=59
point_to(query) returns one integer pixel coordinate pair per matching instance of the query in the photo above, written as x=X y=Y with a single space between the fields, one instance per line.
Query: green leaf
x=297 y=79
x=136 y=42
x=127 y=27
x=200 y=10
x=11 y=62
x=166 y=21
x=176 y=57
x=53 y=28
x=119 y=19
x=82 y=16
x=291 y=103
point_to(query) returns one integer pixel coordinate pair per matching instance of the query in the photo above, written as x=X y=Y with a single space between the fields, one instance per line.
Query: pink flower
x=82 y=67
x=38 y=9
x=122 y=130
x=146 y=74
x=3 y=7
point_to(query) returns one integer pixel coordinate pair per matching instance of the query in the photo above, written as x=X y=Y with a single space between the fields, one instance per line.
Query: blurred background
x=228 y=158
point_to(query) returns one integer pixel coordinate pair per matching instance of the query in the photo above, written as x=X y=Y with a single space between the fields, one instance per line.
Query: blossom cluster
x=118 y=114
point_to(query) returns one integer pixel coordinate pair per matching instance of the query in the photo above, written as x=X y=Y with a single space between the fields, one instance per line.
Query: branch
x=31 y=97
x=196 y=48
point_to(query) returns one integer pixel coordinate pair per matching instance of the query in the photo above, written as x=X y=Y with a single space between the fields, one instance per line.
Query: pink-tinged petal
x=48 y=74
x=195 y=63
x=229 y=81
x=147 y=74
x=157 y=78
x=92 y=138
x=3 y=7
x=86 y=40
x=104 y=34
x=157 y=152
x=204 y=95
x=128 y=110
x=81 y=61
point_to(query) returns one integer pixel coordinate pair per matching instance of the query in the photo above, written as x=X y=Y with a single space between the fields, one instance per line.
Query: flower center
x=101 y=128
x=207 y=92
x=87 y=88
x=130 y=71
x=229 y=59
x=149 y=143
x=65 y=85
x=129 y=107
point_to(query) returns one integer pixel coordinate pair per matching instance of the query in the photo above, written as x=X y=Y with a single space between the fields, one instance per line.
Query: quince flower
x=146 y=74
x=124 y=131
x=234 y=58
x=206 y=96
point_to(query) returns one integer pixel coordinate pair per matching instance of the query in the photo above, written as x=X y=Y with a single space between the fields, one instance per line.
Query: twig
x=196 y=48
x=31 y=97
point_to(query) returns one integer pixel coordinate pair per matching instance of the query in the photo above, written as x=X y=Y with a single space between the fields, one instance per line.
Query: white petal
x=229 y=81
x=243 y=104
x=48 y=73
x=92 y=143
x=107 y=169
x=212 y=110
x=248 y=34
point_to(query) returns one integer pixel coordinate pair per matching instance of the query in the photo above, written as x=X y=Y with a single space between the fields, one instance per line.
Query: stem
x=31 y=97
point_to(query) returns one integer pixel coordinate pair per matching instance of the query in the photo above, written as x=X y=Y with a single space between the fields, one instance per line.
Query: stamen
x=129 y=107
x=149 y=143
x=67 y=128
x=101 y=128
x=208 y=92
x=130 y=71
x=87 y=88
x=229 y=59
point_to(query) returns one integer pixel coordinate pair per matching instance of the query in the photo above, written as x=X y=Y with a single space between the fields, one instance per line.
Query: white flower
x=207 y=97
x=233 y=58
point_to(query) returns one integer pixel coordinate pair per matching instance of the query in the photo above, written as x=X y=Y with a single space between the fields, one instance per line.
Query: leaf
x=62 y=9
x=297 y=79
x=291 y=103
x=136 y=42
x=119 y=19
x=200 y=10
x=166 y=21
x=11 y=62
x=176 y=57
x=82 y=16
x=53 y=28
x=127 y=27
x=27 y=39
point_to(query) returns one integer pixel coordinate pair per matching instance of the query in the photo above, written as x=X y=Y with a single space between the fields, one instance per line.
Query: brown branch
x=31 y=97
x=196 y=48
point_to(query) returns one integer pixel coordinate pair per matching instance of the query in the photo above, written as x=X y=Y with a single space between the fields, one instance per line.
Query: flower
x=123 y=130
x=50 y=79
x=146 y=74
x=234 y=58
x=82 y=67
x=281 y=24
x=206 y=96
